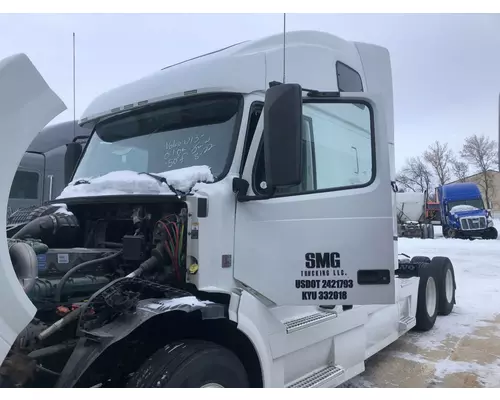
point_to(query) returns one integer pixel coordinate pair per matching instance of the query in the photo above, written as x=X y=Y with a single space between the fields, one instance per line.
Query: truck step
x=318 y=378
x=307 y=321
x=406 y=322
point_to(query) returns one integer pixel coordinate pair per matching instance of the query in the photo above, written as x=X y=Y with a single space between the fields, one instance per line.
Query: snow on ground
x=463 y=348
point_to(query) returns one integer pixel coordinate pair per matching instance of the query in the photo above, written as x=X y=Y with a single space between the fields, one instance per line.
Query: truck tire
x=490 y=234
x=431 y=231
x=191 y=364
x=424 y=231
x=427 y=302
x=446 y=284
x=445 y=231
x=420 y=260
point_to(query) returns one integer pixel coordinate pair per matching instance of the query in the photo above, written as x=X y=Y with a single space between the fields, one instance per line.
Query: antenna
x=74 y=88
x=284 y=46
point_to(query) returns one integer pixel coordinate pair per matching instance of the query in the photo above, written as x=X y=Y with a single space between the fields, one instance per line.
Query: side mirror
x=283 y=135
x=73 y=153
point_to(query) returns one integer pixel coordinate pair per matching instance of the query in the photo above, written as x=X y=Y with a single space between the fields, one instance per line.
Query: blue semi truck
x=463 y=214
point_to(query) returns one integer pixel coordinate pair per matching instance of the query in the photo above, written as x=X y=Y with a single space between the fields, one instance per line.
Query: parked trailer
x=213 y=220
x=412 y=216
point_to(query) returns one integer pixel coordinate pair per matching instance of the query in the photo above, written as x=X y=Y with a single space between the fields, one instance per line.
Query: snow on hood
x=463 y=208
x=130 y=182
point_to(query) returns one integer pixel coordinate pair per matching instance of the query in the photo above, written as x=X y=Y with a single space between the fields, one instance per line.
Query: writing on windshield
x=177 y=152
x=200 y=130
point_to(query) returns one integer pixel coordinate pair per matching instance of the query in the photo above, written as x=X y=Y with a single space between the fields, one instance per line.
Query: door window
x=337 y=149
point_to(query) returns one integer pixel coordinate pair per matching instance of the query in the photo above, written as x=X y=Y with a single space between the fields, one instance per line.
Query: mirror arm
x=245 y=198
x=240 y=187
x=309 y=92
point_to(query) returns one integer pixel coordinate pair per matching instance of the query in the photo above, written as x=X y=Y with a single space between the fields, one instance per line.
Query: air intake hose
x=51 y=229
x=25 y=264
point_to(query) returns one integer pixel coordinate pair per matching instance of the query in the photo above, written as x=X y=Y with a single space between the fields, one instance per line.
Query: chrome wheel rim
x=431 y=296
x=212 y=385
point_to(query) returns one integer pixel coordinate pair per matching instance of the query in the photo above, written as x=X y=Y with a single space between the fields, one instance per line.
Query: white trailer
x=220 y=219
x=411 y=215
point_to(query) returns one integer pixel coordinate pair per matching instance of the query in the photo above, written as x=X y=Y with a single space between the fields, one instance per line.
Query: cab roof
x=245 y=67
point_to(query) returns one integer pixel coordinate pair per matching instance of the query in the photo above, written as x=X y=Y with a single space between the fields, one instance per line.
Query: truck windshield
x=478 y=203
x=196 y=131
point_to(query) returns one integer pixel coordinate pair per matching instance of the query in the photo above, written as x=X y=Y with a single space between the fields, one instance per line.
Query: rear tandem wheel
x=436 y=291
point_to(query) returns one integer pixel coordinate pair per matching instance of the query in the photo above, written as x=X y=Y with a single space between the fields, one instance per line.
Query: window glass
x=342 y=144
x=336 y=149
x=195 y=131
x=24 y=185
x=348 y=80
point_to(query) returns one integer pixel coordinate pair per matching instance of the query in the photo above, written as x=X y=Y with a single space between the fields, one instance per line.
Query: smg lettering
x=322 y=260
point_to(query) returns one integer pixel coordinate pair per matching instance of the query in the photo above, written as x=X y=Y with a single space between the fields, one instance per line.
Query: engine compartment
x=81 y=264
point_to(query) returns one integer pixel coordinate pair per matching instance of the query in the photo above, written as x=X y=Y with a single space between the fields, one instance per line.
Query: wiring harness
x=174 y=228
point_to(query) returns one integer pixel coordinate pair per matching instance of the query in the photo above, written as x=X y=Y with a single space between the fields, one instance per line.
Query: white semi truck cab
x=226 y=213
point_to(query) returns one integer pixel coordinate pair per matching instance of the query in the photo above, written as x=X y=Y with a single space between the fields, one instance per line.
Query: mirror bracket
x=240 y=187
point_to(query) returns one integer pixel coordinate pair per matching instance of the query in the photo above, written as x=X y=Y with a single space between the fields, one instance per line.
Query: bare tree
x=481 y=152
x=440 y=158
x=460 y=170
x=415 y=175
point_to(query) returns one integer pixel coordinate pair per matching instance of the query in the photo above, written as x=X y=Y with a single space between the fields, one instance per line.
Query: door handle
x=51 y=184
x=357 y=160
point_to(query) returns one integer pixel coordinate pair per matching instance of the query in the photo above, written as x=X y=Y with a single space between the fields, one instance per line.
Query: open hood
x=27 y=104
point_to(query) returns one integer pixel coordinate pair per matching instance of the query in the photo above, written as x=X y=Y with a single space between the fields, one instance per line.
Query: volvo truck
x=228 y=224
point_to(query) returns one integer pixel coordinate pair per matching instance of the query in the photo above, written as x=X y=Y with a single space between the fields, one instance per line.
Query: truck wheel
x=191 y=364
x=420 y=260
x=445 y=231
x=493 y=233
x=446 y=284
x=425 y=232
x=490 y=234
x=427 y=302
x=431 y=231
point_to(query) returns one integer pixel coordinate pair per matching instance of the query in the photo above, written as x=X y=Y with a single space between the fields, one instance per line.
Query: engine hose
x=152 y=262
x=51 y=350
x=67 y=275
x=25 y=264
x=58 y=325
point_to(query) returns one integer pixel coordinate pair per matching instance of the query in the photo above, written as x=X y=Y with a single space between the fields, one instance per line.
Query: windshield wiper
x=161 y=179
x=81 y=182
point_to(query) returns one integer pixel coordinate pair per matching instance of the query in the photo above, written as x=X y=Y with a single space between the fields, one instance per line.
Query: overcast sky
x=446 y=68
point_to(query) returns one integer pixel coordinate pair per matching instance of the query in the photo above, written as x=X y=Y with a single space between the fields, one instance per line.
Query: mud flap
x=27 y=104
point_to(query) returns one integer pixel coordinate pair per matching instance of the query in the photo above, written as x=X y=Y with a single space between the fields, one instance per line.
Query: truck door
x=27 y=104
x=27 y=186
x=328 y=240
